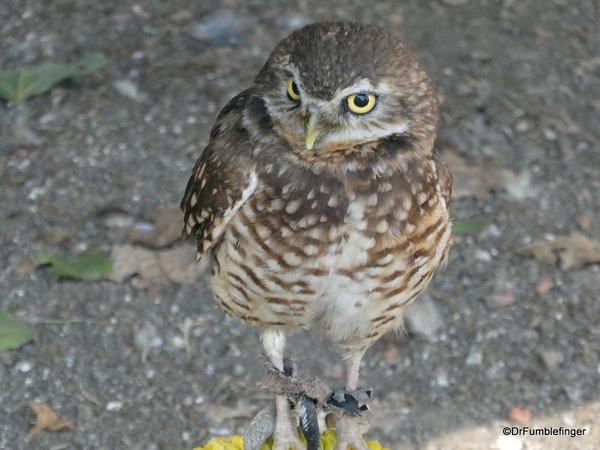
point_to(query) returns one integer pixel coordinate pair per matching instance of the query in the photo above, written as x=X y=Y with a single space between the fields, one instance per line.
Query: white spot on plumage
x=311 y=250
x=384 y=187
x=372 y=200
x=382 y=227
x=293 y=206
x=292 y=258
x=308 y=221
x=262 y=231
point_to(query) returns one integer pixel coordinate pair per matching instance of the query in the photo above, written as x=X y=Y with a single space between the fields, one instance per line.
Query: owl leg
x=286 y=434
x=350 y=428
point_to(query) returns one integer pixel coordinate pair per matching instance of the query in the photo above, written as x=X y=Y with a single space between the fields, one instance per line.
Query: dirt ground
x=520 y=84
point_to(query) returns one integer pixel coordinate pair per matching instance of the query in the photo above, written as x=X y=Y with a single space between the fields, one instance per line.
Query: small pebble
x=219 y=431
x=129 y=89
x=549 y=134
x=474 y=358
x=569 y=421
x=24 y=366
x=114 y=406
x=519 y=415
x=442 y=380
x=544 y=285
x=552 y=358
x=508 y=443
x=500 y=300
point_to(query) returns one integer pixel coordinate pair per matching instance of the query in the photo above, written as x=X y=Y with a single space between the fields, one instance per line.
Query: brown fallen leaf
x=165 y=230
x=46 y=419
x=129 y=260
x=179 y=264
x=566 y=252
x=176 y=265
x=471 y=181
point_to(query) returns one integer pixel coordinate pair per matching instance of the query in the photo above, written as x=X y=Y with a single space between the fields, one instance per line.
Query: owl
x=320 y=201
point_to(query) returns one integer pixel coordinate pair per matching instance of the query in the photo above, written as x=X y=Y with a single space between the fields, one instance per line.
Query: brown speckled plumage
x=342 y=235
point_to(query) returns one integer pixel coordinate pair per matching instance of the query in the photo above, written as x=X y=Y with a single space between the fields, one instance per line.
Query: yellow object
x=328 y=440
x=311 y=133
x=293 y=90
x=357 y=105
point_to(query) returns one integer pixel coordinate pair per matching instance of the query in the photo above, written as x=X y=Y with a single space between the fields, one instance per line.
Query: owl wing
x=444 y=177
x=222 y=180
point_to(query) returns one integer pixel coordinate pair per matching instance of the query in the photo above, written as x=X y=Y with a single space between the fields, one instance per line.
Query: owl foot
x=277 y=421
x=285 y=436
x=267 y=423
x=349 y=431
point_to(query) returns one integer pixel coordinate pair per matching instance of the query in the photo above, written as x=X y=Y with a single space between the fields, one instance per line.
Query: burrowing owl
x=320 y=200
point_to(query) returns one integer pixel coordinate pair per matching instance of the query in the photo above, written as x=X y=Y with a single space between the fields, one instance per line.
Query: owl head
x=338 y=86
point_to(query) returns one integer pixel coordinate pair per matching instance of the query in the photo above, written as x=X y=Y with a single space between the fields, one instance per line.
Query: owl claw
x=268 y=422
x=309 y=423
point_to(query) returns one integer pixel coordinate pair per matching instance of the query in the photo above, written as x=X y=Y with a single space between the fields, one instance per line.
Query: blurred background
x=130 y=350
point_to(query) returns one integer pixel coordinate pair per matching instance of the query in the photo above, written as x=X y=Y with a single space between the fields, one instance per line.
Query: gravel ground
x=520 y=84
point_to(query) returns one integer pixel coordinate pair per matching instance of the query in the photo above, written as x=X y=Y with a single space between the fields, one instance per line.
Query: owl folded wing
x=223 y=179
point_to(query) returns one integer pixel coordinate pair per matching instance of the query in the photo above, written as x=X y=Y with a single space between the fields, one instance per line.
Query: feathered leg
x=351 y=428
x=286 y=434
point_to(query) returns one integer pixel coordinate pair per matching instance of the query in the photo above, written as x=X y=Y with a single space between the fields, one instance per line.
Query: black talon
x=348 y=401
x=288 y=367
x=309 y=423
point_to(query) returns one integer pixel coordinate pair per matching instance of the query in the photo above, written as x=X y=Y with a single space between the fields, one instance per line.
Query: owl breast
x=345 y=255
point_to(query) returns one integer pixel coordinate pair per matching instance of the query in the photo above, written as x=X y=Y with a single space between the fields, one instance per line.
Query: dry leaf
x=129 y=260
x=179 y=264
x=165 y=230
x=470 y=181
x=176 y=265
x=423 y=317
x=566 y=252
x=46 y=419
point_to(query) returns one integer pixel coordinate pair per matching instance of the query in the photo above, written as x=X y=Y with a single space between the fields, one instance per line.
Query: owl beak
x=311 y=132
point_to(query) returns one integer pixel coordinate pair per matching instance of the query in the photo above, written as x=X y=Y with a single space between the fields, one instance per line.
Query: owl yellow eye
x=293 y=91
x=361 y=103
